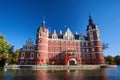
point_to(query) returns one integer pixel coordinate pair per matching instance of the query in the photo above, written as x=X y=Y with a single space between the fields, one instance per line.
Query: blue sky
x=19 y=19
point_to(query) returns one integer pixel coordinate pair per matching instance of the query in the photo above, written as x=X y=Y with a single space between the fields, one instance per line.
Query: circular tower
x=93 y=36
x=41 y=48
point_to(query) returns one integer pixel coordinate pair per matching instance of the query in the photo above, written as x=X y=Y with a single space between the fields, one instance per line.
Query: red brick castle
x=63 y=49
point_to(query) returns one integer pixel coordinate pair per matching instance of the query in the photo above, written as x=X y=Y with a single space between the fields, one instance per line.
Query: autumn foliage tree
x=14 y=58
x=6 y=49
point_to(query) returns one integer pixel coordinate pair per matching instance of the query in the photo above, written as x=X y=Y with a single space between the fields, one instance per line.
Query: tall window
x=39 y=35
x=38 y=55
x=31 y=55
x=51 y=42
x=39 y=41
x=93 y=56
x=91 y=36
x=51 y=49
x=51 y=56
x=93 y=49
x=82 y=44
x=87 y=44
x=87 y=50
x=92 y=44
x=39 y=47
x=83 y=50
x=56 y=49
x=22 y=55
x=88 y=56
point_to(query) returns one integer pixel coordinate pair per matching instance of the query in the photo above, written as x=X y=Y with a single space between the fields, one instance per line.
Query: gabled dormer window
x=90 y=27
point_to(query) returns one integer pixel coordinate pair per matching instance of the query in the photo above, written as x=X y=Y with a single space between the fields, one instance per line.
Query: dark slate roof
x=60 y=36
x=76 y=37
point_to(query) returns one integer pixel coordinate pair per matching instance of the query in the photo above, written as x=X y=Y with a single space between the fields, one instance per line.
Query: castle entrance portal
x=72 y=62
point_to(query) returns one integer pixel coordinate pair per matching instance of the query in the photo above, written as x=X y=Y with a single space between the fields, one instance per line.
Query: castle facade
x=63 y=49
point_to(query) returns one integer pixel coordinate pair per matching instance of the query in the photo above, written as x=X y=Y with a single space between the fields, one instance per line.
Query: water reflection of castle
x=63 y=49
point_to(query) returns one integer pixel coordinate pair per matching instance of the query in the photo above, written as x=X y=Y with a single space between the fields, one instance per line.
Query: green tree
x=109 y=59
x=117 y=59
x=14 y=58
x=6 y=49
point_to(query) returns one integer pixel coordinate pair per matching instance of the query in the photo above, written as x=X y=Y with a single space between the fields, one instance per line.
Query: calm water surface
x=27 y=74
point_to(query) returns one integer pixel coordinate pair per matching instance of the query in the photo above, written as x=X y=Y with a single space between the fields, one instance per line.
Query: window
x=38 y=55
x=51 y=49
x=100 y=49
x=88 y=56
x=39 y=47
x=63 y=55
x=90 y=28
x=93 y=56
x=82 y=44
x=93 y=49
x=62 y=49
x=92 y=43
x=91 y=36
x=87 y=44
x=31 y=55
x=56 y=42
x=57 y=56
x=62 y=43
x=56 y=49
x=83 y=50
x=22 y=55
x=83 y=57
x=39 y=35
x=51 y=56
x=51 y=42
x=39 y=41
x=87 y=50
x=101 y=56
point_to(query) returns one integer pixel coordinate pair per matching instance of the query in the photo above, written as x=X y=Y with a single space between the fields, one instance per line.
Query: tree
x=6 y=49
x=15 y=56
x=117 y=59
x=105 y=46
x=109 y=59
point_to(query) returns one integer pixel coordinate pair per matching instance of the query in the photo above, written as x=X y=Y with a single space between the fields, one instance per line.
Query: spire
x=90 y=19
x=43 y=21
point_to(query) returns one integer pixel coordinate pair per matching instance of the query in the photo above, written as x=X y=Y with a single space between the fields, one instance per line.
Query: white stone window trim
x=32 y=55
x=38 y=55
x=22 y=55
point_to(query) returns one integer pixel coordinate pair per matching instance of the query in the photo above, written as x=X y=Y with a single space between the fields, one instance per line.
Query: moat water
x=28 y=74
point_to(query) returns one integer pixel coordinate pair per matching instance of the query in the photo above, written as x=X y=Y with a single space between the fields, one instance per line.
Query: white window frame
x=32 y=55
x=38 y=55
x=39 y=35
x=39 y=47
x=86 y=44
x=22 y=55
x=87 y=50
x=93 y=49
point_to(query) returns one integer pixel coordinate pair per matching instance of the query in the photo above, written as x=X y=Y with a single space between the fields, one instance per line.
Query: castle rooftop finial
x=90 y=19
x=43 y=21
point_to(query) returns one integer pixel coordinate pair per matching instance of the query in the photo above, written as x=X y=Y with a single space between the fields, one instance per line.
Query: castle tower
x=41 y=49
x=95 y=44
